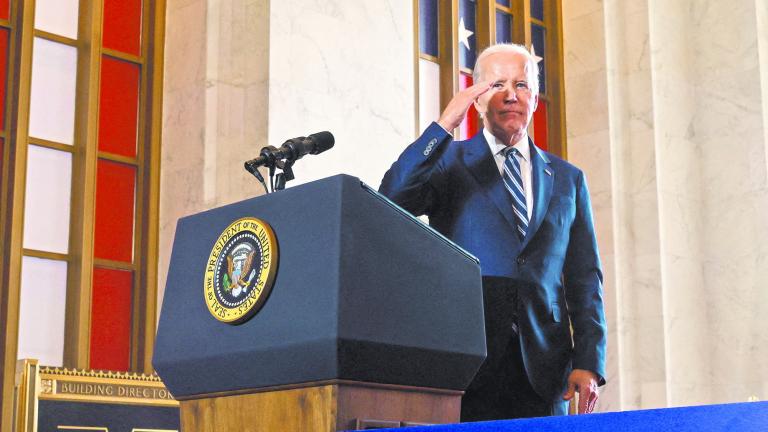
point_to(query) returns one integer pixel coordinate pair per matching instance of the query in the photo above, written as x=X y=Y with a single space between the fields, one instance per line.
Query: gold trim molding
x=99 y=374
x=96 y=386
x=34 y=383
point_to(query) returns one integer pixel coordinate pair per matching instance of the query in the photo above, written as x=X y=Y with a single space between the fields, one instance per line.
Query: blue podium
x=373 y=317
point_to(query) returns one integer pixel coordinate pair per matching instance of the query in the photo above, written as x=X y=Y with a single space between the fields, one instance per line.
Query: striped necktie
x=513 y=181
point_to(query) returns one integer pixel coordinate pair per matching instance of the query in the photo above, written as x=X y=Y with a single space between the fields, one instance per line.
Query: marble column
x=680 y=202
x=184 y=122
x=608 y=42
x=686 y=119
x=588 y=136
x=728 y=125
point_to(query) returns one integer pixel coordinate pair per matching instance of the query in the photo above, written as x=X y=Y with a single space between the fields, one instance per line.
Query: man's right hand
x=457 y=108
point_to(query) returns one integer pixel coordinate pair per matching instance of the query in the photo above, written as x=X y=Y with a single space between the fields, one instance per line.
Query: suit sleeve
x=413 y=180
x=583 y=279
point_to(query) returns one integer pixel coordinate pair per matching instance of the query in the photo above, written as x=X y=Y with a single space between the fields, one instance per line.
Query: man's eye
x=498 y=85
x=521 y=85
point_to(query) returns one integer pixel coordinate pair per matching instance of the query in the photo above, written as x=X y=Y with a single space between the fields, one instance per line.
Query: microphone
x=292 y=150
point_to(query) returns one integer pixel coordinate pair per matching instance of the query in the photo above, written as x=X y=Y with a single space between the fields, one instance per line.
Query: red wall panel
x=115 y=210
x=118 y=106
x=111 y=319
x=540 y=125
x=4 y=10
x=3 y=72
x=122 y=26
x=469 y=126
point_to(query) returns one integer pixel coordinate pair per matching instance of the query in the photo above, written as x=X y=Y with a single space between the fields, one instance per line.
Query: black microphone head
x=323 y=141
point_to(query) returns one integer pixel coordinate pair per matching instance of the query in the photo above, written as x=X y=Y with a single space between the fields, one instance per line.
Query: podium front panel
x=362 y=292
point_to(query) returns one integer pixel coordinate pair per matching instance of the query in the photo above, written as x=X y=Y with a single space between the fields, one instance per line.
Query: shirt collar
x=497 y=146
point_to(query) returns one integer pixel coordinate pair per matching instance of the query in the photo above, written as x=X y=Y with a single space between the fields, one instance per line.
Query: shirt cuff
x=441 y=127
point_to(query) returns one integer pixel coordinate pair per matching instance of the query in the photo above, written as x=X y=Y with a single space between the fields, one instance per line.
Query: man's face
x=508 y=106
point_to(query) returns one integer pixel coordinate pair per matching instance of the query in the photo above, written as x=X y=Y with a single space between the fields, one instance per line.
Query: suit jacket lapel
x=543 y=179
x=479 y=161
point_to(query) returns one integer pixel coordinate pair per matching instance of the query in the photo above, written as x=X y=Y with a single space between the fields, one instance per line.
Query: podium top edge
x=373 y=192
x=417 y=221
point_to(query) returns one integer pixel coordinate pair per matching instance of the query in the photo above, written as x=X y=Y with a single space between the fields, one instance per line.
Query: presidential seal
x=240 y=270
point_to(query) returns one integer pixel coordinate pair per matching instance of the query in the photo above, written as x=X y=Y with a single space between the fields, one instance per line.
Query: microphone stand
x=286 y=175
x=276 y=182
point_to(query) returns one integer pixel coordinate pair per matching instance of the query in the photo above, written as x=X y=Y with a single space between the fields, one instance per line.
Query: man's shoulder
x=563 y=169
x=560 y=162
x=562 y=166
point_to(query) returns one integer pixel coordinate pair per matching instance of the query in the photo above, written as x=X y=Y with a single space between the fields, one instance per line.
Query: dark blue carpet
x=752 y=417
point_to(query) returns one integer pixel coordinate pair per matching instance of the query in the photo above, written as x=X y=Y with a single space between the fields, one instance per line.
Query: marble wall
x=184 y=122
x=678 y=176
x=685 y=116
x=243 y=74
x=346 y=67
x=729 y=126
x=761 y=15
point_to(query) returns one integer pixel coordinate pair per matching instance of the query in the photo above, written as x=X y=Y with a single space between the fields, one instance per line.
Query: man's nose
x=510 y=95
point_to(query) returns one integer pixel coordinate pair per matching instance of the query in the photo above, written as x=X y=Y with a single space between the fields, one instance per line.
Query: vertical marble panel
x=589 y=148
x=712 y=180
x=642 y=343
x=761 y=14
x=184 y=123
x=733 y=156
x=237 y=97
x=760 y=307
x=345 y=67
x=679 y=203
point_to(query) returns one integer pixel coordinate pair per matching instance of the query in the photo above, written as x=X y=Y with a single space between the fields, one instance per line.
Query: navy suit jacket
x=556 y=268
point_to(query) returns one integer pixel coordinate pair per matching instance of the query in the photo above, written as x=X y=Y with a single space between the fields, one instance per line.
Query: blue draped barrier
x=746 y=417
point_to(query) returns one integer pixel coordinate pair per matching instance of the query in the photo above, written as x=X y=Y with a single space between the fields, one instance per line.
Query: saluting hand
x=585 y=382
x=457 y=108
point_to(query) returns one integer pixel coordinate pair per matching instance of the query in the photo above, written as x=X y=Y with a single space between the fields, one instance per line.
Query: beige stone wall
x=684 y=174
x=243 y=74
x=184 y=121
x=346 y=67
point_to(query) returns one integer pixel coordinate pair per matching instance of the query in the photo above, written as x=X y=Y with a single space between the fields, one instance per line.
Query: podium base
x=325 y=406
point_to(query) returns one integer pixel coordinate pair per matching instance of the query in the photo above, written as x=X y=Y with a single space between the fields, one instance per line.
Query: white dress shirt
x=497 y=150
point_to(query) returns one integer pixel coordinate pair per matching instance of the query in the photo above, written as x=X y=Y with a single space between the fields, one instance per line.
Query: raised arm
x=410 y=182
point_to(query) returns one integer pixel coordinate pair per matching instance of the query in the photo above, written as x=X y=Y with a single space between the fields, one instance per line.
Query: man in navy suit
x=526 y=214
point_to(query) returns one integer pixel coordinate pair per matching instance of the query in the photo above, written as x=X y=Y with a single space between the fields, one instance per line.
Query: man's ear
x=535 y=103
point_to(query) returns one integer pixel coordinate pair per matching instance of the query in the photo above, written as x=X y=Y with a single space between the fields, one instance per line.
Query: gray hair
x=513 y=48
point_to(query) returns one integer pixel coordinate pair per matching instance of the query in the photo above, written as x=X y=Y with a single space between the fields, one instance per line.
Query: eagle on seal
x=235 y=280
